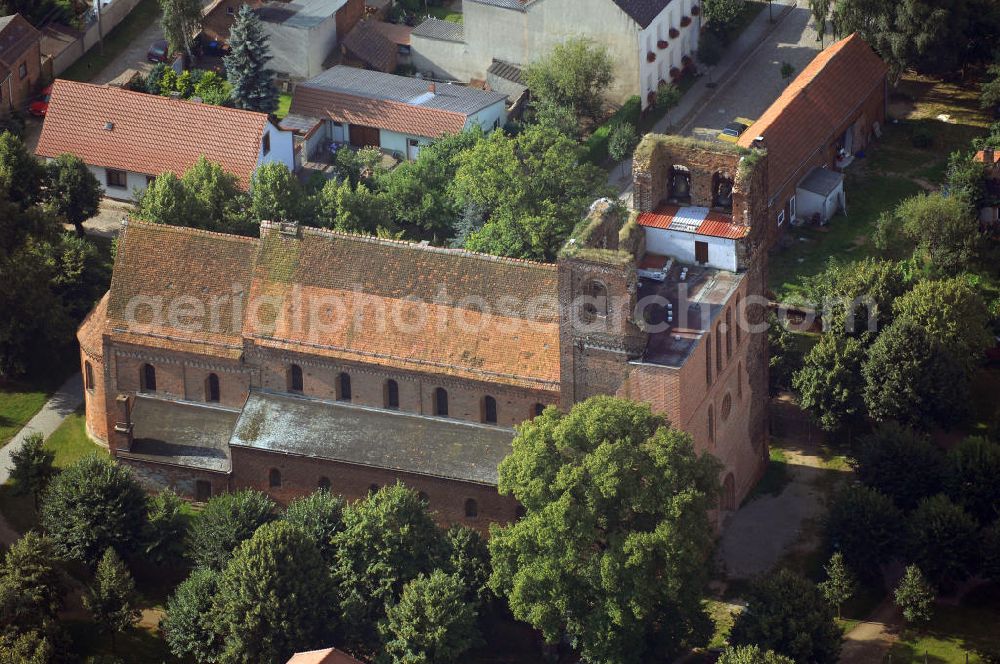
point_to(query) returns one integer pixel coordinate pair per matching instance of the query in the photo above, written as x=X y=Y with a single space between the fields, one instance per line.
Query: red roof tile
x=713 y=224
x=814 y=106
x=327 y=656
x=382 y=113
x=981 y=156
x=150 y=134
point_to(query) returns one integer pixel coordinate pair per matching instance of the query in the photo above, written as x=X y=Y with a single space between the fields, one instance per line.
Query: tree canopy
x=611 y=549
x=73 y=192
x=866 y=528
x=274 y=597
x=941 y=231
x=227 y=520
x=575 y=75
x=830 y=384
x=942 y=540
x=787 y=614
x=91 y=506
x=246 y=65
x=900 y=463
x=181 y=21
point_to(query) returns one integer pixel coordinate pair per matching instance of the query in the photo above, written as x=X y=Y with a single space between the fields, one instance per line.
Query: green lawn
x=18 y=403
x=284 y=101
x=445 y=14
x=70 y=443
x=115 y=42
x=893 y=170
x=955 y=631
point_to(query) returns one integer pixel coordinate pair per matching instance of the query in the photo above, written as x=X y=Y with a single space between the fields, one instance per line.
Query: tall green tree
x=972 y=471
x=901 y=463
x=219 y=197
x=418 y=190
x=820 y=10
x=189 y=625
x=469 y=560
x=532 y=190
x=912 y=378
x=274 y=597
x=989 y=94
x=321 y=516
x=168 y=201
x=575 y=74
x=91 y=506
x=73 y=192
x=967 y=178
x=866 y=528
x=941 y=232
x=227 y=520
x=943 y=540
x=388 y=539
x=246 y=64
x=111 y=597
x=829 y=384
x=915 y=596
x=276 y=195
x=181 y=21
x=856 y=298
x=432 y=623
x=612 y=546
x=787 y=614
x=33 y=467
x=353 y=208
x=952 y=312
x=622 y=142
x=165 y=529
x=721 y=15
x=839 y=585
x=21 y=174
x=32 y=585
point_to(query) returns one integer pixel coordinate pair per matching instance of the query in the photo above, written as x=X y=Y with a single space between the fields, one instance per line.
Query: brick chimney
x=432 y=88
x=121 y=438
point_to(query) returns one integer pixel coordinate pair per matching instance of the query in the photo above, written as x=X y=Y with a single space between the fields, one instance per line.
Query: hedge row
x=597 y=145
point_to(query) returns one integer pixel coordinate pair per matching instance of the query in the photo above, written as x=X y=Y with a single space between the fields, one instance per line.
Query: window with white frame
x=791 y=208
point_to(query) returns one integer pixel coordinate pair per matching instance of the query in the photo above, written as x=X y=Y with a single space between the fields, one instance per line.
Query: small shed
x=820 y=193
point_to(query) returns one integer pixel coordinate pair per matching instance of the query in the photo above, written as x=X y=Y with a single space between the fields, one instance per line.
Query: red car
x=40 y=106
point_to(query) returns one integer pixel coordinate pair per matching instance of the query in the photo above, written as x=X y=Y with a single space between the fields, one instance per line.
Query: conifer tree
x=246 y=64
x=111 y=598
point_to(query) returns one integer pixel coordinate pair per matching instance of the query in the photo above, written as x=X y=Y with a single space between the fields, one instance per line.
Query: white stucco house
x=127 y=138
x=398 y=114
x=694 y=235
x=649 y=40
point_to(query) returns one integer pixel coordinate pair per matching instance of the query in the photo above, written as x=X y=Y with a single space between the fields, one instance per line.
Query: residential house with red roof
x=396 y=113
x=20 y=62
x=127 y=138
x=326 y=656
x=650 y=42
x=825 y=117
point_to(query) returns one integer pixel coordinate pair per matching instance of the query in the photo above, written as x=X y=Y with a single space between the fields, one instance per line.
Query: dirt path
x=871 y=640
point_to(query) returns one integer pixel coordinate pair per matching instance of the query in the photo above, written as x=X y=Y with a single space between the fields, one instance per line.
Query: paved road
x=742 y=58
x=133 y=57
x=757 y=82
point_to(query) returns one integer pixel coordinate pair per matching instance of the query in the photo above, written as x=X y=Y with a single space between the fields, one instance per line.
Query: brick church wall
x=300 y=476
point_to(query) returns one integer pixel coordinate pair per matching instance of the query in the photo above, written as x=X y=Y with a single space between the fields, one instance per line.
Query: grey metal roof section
x=435 y=28
x=506 y=70
x=505 y=4
x=300 y=13
x=821 y=181
x=378 y=85
x=299 y=123
x=394 y=440
x=182 y=433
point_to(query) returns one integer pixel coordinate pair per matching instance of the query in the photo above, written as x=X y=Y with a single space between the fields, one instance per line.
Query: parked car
x=732 y=131
x=40 y=106
x=159 y=51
